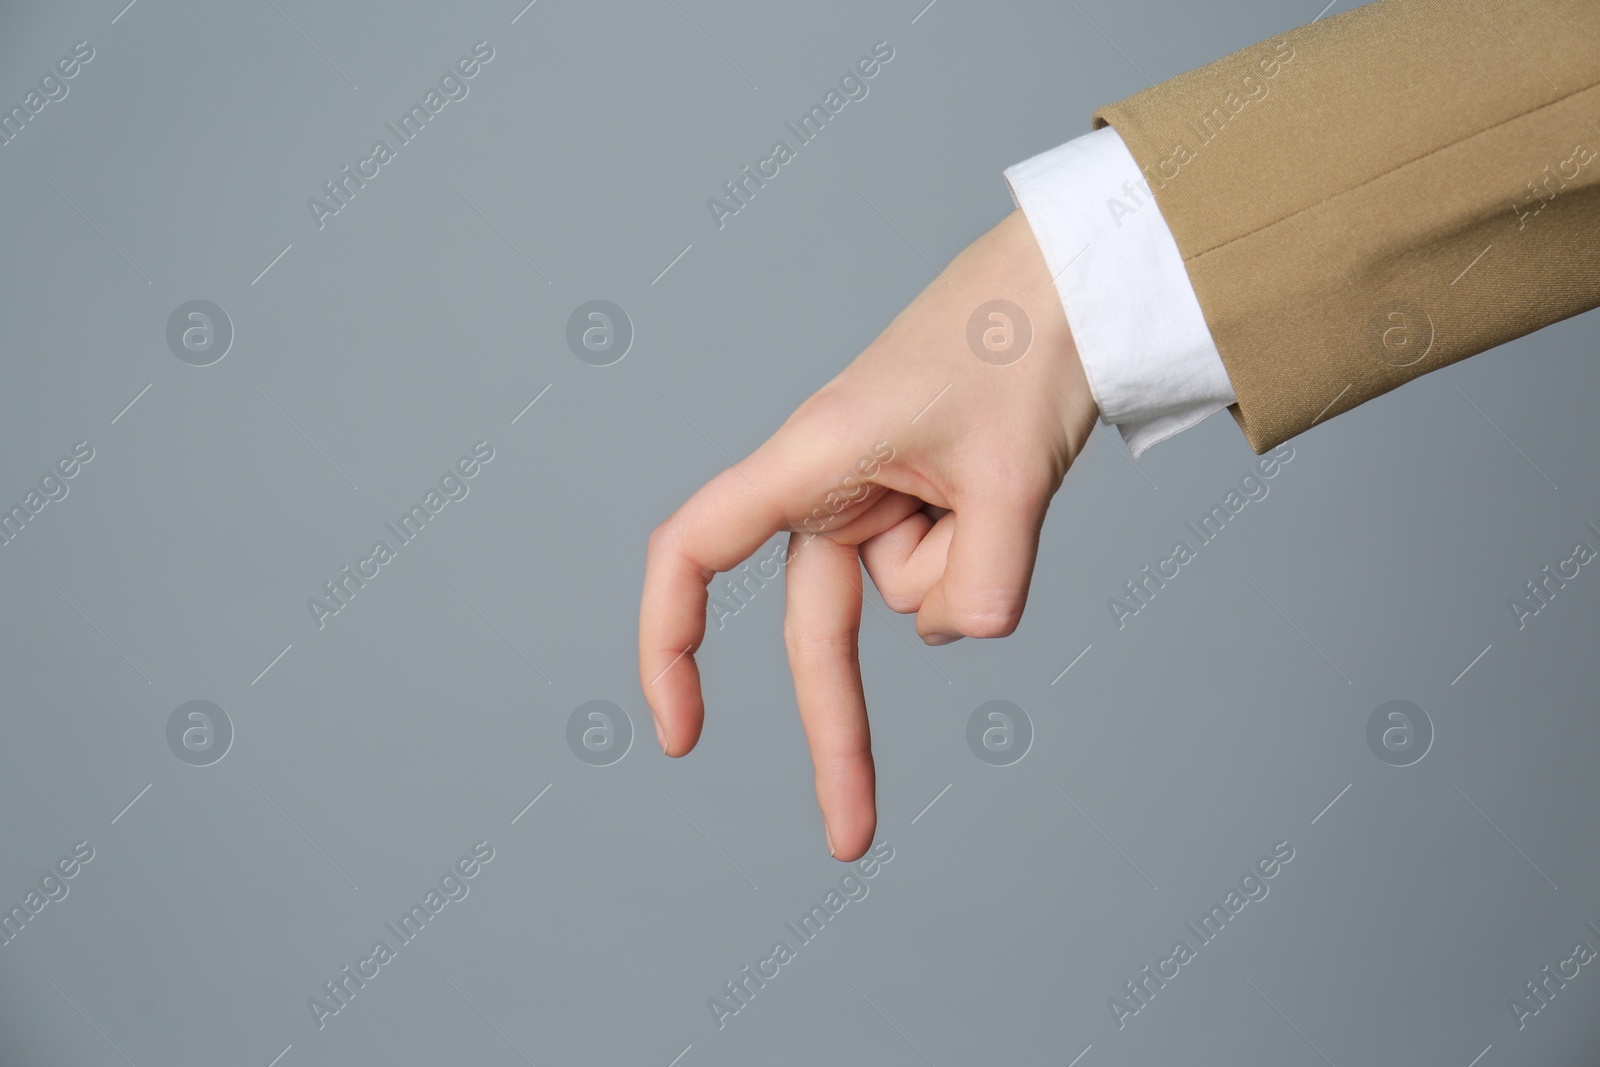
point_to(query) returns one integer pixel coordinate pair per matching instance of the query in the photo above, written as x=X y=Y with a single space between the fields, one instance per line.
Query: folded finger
x=906 y=560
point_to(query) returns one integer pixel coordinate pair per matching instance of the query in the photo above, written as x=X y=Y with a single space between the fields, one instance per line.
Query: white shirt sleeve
x=1145 y=347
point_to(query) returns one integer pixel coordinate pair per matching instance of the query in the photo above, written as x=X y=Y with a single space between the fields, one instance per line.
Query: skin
x=948 y=528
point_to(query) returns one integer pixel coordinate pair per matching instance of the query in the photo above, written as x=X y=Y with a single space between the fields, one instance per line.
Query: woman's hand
x=930 y=460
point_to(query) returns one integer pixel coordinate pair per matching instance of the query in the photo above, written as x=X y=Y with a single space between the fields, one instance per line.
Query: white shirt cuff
x=1143 y=341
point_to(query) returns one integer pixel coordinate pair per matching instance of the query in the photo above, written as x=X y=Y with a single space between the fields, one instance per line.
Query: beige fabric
x=1379 y=194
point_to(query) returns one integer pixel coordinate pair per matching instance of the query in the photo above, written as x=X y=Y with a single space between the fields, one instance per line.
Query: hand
x=929 y=465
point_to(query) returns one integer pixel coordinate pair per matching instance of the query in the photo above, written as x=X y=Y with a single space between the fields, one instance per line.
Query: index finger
x=717 y=528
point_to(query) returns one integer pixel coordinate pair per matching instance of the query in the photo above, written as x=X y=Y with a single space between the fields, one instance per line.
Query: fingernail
x=661 y=735
x=829 y=834
x=941 y=639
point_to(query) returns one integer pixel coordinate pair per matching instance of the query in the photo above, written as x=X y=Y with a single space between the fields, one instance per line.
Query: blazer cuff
x=1143 y=341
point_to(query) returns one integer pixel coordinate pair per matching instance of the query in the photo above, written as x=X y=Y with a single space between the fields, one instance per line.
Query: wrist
x=1060 y=367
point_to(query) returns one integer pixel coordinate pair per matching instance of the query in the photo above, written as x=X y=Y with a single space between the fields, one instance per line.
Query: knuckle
x=1002 y=621
x=898 y=593
x=901 y=603
x=838 y=645
x=662 y=538
x=900 y=596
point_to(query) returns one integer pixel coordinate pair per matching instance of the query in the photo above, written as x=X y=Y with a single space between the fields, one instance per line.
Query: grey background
x=428 y=714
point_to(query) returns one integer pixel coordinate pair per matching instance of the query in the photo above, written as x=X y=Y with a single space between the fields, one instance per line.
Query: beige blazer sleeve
x=1379 y=194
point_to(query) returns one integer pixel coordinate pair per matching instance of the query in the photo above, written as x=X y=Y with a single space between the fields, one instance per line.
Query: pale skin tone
x=947 y=529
